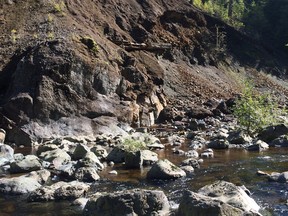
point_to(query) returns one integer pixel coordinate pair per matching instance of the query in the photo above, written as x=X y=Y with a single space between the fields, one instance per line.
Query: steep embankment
x=71 y=61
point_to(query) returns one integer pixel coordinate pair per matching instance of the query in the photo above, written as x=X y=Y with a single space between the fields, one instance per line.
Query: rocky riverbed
x=198 y=151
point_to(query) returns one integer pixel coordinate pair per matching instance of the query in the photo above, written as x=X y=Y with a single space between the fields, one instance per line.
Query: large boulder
x=59 y=191
x=231 y=194
x=80 y=151
x=90 y=160
x=272 y=132
x=259 y=145
x=117 y=155
x=281 y=141
x=164 y=169
x=24 y=184
x=198 y=112
x=191 y=162
x=193 y=204
x=27 y=164
x=86 y=174
x=6 y=154
x=218 y=144
x=133 y=202
x=133 y=159
x=149 y=157
x=57 y=157
x=239 y=137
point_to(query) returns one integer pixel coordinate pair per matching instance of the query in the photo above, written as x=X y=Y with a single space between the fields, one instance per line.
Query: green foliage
x=133 y=145
x=255 y=111
x=91 y=44
x=58 y=6
x=230 y=11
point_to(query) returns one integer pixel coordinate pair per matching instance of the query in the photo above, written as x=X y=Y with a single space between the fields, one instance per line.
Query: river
x=234 y=165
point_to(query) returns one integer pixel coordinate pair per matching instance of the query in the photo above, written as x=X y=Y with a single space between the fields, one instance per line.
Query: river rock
x=6 y=154
x=80 y=202
x=239 y=137
x=57 y=157
x=175 y=140
x=218 y=144
x=192 y=154
x=27 y=164
x=198 y=112
x=278 y=177
x=90 y=160
x=2 y=135
x=258 y=146
x=86 y=174
x=196 y=125
x=281 y=141
x=80 y=151
x=231 y=194
x=149 y=157
x=117 y=155
x=59 y=191
x=18 y=157
x=46 y=147
x=189 y=170
x=207 y=153
x=67 y=170
x=133 y=159
x=131 y=202
x=191 y=162
x=164 y=169
x=24 y=184
x=100 y=152
x=193 y=204
x=272 y=132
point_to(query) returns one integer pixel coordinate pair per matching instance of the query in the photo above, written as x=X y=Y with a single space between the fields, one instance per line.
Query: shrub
x=91 y=44
x=256 y=111
x=133 y=145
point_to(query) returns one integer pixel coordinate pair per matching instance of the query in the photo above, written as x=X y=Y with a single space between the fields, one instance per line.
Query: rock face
x=164 y=169
x=24 y=184
x=134 y=202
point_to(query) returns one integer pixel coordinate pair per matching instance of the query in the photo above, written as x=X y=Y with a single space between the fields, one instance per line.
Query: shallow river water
x=234 y=165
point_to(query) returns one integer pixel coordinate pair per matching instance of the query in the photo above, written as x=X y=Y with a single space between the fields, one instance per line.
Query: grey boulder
x=133 y=202
x=24 y=184
x=164 y=169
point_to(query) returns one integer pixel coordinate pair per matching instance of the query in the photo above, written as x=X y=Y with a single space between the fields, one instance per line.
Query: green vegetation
x=133 y=145
x=265 y=20
x=256 y=111
x=58 y=6
x=229 y=11
x=91 y=44
x=14 y=36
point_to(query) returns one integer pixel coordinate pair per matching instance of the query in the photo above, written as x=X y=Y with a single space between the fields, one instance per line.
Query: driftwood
x=131 y=46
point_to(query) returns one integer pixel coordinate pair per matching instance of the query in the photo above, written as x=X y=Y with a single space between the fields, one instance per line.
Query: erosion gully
x=234 y=165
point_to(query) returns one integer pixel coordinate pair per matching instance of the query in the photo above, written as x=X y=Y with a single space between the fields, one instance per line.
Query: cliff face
x=118 y=59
